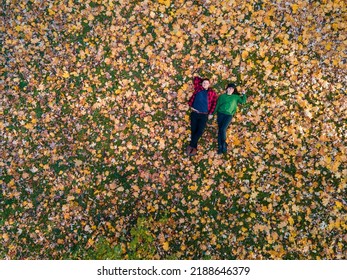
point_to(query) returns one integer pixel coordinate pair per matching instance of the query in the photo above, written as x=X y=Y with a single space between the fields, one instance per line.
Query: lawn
x=95 y=122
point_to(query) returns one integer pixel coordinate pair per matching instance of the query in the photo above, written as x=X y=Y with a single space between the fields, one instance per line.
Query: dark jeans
x=223 y=121
x=197 y=123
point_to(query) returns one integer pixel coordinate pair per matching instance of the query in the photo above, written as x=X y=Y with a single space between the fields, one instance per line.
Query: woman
x=226 y=108
x=203 y=103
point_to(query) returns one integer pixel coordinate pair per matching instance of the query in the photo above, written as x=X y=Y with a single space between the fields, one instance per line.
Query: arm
x=197 y=83
x=218 y=104
x=213 y=102
x=191 y=100
x=197 y=86
x=242 y=99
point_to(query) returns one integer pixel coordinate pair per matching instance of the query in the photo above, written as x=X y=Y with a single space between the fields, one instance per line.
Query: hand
x=210 y=117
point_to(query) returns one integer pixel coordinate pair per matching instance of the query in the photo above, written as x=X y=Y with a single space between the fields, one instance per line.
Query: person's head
x=231 y=89
x=206 y=83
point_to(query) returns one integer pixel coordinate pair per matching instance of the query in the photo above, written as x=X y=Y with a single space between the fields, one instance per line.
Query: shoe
x=193 y=152
x=189 y=150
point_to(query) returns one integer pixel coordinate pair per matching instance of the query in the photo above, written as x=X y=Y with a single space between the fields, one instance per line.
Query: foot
x=193 y=152
x=188 y=150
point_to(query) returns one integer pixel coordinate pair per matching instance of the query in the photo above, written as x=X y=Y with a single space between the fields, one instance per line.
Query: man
x=203 y=102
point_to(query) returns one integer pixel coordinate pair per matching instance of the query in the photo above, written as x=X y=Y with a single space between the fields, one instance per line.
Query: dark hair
x=232 y=85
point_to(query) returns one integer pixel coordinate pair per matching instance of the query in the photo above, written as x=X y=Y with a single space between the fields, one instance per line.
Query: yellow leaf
x=51 y=12
x=328 y=46
x=165 y=2
x=267 y=21
x=29 y=126
x=327 y=159
x=90 y=242
x=66 y=74
x=224 y=29
x=184 y=86
x=212 y=9
x=166 y=246
x=337 y=223
x=338 y=204
x=60 y=241
x=295 y=8
x=161 y=144
x=244 y=54
x=66 y=216
x=5 y=237
x=335 y=166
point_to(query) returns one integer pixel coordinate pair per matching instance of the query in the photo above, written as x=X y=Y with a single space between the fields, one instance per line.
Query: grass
x=127 y=196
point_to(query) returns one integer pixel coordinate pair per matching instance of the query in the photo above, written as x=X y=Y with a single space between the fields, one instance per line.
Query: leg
x=200 y=127
x=227 y=122
x=223 y=123
x=220 y=134
x=193 y=128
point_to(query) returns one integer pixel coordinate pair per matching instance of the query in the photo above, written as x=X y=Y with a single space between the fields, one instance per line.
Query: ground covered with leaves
x=95 y=122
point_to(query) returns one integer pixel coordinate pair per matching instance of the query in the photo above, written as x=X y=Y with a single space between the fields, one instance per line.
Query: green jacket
x=227 y=104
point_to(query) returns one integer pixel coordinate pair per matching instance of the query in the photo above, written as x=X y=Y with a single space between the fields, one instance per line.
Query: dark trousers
x=223 y=121
x=197 y=123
